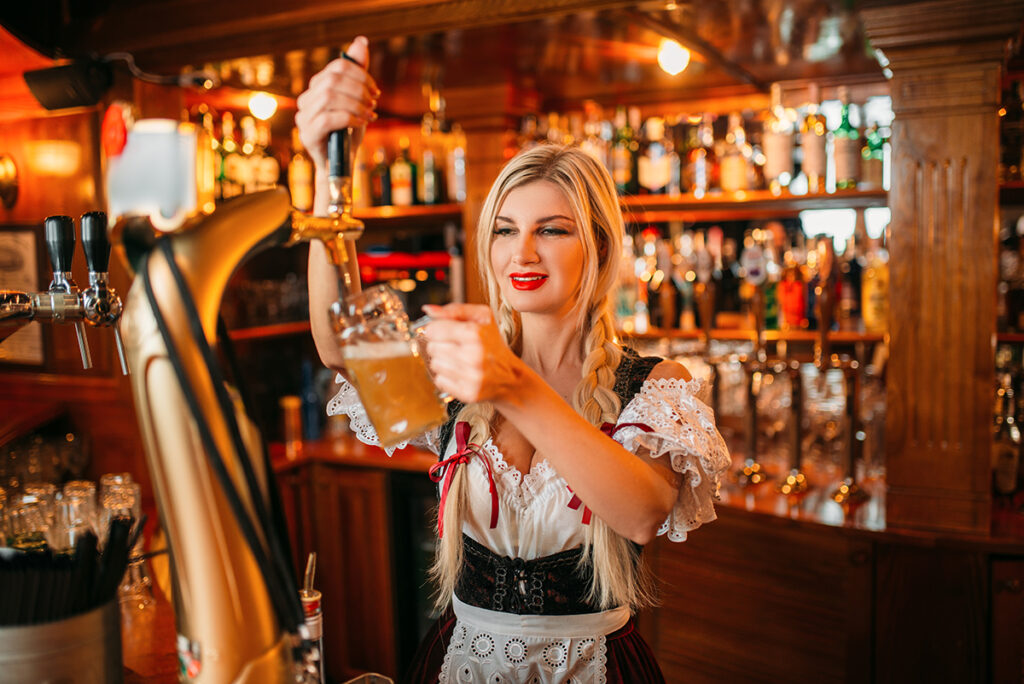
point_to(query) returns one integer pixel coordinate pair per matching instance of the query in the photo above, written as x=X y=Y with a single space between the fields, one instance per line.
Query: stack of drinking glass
x=64 y=551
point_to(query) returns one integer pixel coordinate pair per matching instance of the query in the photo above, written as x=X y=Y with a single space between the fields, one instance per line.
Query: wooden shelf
x=836 y=336
x=1009 y=338
x=754 y=204
x=1012 y=193
x=414 y=212
x=261 y=332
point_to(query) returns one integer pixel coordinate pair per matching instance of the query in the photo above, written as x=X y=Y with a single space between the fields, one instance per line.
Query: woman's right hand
x=342 y=95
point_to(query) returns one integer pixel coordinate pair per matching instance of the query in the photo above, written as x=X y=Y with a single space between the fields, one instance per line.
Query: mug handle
x=414 y=327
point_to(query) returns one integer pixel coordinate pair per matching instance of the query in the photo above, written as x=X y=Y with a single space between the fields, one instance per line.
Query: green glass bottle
x=846 y=147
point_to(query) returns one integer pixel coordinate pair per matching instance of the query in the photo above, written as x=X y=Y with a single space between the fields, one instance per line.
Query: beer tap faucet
x=339 y=230
x=753 y=472
x=848 y=494
x=704 y=293
x=101 y=306
x=62 y=301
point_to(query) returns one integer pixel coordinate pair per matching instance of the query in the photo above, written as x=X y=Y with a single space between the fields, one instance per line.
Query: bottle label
x=622 y=170
x=300 y=183
x=401 y=185
x=875 y=306
x=813 y=147
x=847 y=151
x=654 y=173
x=778 y=152
x=734 y=173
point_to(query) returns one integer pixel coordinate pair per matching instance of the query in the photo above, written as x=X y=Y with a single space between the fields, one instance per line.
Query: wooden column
x=946 y=57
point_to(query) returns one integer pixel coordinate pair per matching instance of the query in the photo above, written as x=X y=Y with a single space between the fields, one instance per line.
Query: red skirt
x=629 y=658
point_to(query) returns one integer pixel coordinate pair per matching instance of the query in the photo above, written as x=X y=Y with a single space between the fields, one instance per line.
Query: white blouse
x=534 y=516
x=535 y=519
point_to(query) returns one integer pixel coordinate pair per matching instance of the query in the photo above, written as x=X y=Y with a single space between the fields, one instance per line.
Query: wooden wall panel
x=757 y=599
x=945 y=92
x=352 y=535
x=932 y=617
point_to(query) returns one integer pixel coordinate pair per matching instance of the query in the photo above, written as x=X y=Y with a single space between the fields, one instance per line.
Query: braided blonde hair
x=619 y=579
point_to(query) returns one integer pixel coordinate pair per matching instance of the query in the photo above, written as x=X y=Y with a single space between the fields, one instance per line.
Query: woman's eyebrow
x=545 y=219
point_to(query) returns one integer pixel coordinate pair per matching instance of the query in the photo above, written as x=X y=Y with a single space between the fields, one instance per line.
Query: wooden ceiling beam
x=179 y=32
x=690 y=40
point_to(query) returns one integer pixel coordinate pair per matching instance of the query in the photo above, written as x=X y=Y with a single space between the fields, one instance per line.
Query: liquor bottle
x=735 y=157
x=431 y=184
x=403 y=176
x=813 y=132
x=727 y=278
x=635 y=121
x=777 y=142
x=683 y=275
x=772 y=310
x=1007 y=442
x=380 y=179
x=455 y=163
x=266 y=167
x=675 y=164
x=626 y=290
x=872 y=159
x=702 y=171
x=875 y=290
x=813 y=279
x=846 y=146
x=231 y=159
x=250 y=155
x=362 y=186
x=654 y=165
x=592 y=143
x=621 y=153
x=850 y=278
x=792 y=295
x=300 y=175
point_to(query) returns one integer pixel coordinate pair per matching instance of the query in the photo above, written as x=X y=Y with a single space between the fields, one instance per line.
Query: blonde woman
x=564 y=453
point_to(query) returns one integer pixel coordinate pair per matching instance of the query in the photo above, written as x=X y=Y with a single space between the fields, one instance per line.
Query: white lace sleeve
x=347 y=401
x=684 y=430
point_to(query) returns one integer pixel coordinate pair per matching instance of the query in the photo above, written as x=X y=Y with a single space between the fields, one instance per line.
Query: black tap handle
x=339 y=154
x=60 y=242
x=94 y=241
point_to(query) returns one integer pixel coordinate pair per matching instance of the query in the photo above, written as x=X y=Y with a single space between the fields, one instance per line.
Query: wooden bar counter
x=754 y=596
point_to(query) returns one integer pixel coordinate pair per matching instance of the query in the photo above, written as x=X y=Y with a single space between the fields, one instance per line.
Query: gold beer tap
x=339 y=229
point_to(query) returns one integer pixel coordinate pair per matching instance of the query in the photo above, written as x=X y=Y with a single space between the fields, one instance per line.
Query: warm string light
x=672 y=57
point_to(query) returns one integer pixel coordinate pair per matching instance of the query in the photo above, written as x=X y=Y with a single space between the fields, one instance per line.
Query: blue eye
x=502 y=231
x=554 y=230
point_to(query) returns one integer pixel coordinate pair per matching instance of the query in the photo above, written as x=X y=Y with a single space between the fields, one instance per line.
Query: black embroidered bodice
x=550 y=585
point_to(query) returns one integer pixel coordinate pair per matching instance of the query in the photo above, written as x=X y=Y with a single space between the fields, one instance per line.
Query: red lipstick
x=527 y=281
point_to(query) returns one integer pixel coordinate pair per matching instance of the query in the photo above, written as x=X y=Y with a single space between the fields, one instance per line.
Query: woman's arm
x=343 y=95
x=470 y=360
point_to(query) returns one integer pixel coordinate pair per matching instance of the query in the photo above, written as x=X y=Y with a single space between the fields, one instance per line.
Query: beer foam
x=385 y=349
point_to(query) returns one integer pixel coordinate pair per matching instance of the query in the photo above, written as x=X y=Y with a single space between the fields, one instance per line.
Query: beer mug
x=386 y=365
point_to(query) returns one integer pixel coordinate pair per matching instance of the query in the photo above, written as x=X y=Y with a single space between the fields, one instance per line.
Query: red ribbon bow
x=609 y=429
x=446 y=469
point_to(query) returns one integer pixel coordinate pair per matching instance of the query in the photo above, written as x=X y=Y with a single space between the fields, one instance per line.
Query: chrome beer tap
x=100 y=304
x=62 y=302
x=756 y=366
x=794 y=486
x=848 y=494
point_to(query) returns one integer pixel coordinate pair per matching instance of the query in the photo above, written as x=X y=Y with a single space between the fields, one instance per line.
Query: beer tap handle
x=83 y=344
x=121 y=356
x=60 y=243
x=95 y=243
x=796 y=435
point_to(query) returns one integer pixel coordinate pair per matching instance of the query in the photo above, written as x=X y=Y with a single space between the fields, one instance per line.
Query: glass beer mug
x=386 y=365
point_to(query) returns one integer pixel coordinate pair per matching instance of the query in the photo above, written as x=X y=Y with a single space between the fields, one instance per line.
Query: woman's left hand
x=468 y=356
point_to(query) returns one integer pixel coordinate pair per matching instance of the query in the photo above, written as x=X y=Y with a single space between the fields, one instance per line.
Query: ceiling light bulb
x=262 y=105
x=672 y=57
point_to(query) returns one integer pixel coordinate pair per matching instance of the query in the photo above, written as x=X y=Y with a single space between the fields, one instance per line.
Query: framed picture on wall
x=20 y=260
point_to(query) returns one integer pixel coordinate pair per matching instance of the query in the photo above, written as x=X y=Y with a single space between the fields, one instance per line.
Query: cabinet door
x=1007 y=621
x=752 y=598
x=350 y=509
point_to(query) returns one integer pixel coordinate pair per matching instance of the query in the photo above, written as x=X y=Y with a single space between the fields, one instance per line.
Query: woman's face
x=536 y=250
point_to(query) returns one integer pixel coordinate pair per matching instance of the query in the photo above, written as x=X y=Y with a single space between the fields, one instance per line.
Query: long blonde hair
x=619 y=577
